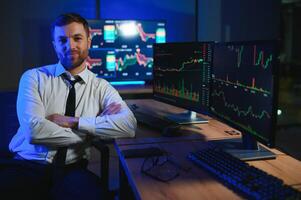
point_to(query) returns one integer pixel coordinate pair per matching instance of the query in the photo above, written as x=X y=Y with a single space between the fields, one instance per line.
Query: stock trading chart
x=182 y=74
x=243 y=85
x=122 y=50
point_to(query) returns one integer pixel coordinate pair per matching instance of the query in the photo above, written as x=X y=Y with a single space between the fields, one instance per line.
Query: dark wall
x=296 y=26
x=209 y=20
x=25 y=36
x=179 y=14
x=237 y=20
x=252 y=20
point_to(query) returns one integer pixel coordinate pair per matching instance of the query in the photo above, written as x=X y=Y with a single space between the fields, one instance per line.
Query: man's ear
x=89 y=42
x=54 y=46
x=90 y=37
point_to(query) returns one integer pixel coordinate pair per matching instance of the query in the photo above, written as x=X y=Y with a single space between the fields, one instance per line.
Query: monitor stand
x=245 y=148
x=188 y=117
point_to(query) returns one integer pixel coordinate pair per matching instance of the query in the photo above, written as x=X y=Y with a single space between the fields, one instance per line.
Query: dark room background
x=26 y=42
x=26 y=38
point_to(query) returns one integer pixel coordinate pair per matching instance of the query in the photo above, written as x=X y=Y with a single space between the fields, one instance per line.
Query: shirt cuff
x=87 y=124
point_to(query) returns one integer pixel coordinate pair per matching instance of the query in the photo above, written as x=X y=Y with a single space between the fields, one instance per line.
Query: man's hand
x=111 y=109
x=64 y=121
x=72 y=122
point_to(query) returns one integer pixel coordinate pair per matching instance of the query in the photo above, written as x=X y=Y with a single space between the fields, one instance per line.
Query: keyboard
x=238 y=175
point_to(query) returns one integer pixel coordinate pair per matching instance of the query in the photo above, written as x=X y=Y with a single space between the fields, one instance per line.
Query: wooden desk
x=196 y=183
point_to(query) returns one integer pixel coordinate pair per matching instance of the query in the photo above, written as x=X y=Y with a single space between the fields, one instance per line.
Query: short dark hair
x=68 y=18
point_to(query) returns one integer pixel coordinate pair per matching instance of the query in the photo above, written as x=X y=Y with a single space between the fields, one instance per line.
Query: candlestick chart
x=182 y=74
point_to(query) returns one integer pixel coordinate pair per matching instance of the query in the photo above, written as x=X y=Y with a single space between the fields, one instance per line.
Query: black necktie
x=70 y=105
x=60 y=157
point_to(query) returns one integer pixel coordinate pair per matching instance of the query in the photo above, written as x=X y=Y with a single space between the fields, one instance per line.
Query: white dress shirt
x=43 y=91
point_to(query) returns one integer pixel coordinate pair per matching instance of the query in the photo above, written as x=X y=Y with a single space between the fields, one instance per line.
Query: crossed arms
x=55 y=130
x=72 y=122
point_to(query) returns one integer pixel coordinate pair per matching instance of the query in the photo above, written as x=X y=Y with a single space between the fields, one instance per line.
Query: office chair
x=8 y=121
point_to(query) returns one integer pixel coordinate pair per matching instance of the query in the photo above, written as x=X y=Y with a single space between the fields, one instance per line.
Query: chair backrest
x=8 y=120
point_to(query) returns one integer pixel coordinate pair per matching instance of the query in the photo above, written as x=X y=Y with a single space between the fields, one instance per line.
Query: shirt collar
x=59 y=70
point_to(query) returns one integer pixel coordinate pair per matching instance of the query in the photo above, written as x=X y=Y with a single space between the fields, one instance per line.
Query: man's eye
x=62 y=41
x=77 y=38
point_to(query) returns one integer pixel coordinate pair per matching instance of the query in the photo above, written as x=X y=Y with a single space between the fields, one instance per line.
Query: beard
x=73 y=59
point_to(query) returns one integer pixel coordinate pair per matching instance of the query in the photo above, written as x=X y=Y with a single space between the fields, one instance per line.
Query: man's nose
x=71 y=44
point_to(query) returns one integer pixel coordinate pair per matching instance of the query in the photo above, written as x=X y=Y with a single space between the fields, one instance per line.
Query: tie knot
x=72 y=82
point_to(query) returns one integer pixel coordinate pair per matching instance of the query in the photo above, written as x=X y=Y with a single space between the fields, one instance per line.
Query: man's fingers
x=115 y=109
x=52 y=117
x=111 y=109
x=63 y=121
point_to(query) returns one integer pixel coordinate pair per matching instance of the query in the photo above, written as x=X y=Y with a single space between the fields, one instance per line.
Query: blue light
x=127 y=82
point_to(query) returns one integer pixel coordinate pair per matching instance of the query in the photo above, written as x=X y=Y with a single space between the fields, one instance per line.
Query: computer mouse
x=171 y=131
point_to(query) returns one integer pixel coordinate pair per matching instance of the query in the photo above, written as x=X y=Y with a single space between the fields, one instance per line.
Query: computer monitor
x=244 y=92
x=182 y=74
x=122 y=50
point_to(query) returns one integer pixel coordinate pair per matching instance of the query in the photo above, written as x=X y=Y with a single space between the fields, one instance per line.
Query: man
x=47 y=127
